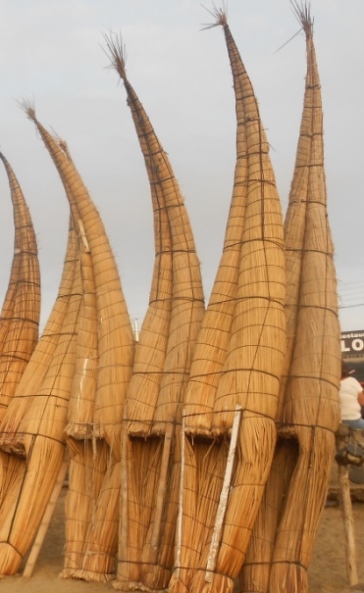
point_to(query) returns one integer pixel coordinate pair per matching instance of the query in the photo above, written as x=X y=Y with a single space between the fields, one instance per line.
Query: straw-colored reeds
x=205 y=460
x=149 y=494
x=111 y=353
x=282 y=541
x=19 y=321
x=311 y=395
x=19 y=324
x=39 y=435
x=251 y=370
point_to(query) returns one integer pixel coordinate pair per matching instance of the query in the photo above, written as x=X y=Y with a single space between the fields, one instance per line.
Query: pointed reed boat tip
x=302 y=11
x=219 y=14
x=116 y=53
x=29 y=109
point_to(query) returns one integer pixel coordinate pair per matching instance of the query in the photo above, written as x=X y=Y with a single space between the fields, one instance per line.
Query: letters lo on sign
x=352 y=342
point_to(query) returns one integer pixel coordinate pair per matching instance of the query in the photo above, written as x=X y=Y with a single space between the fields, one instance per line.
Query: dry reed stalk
x=19 y=321
x=41 y=438
x=206 y=460
x=83 y=392
x=257 y=565
x=311 y=389
x=213 y=338
x=100 y=543
x=186 y=314
x=42 y=356
x=84 y=483
x=12 y=468
x=115 y=335
x=256 y=347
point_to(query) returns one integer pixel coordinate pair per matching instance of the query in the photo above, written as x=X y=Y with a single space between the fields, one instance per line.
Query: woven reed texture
x=88 y=466
x=311 y=398
x=101 y=539
x=251 y=370
x=42 y=356
x=93 y=558
x=309 y=388
x=83 y=392
x=115 y=335
x=19 y=321
x=41 y=438
x=213 y=337
x=181 y=314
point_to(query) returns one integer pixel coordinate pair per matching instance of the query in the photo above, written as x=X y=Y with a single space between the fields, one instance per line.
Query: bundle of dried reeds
x=311 y=394
x=308 y=412
x=42 y=356
x=251 y=371
x=19 y=321
x=149 y=504
x=115 y=343
x=40 y=438
x=205 y=460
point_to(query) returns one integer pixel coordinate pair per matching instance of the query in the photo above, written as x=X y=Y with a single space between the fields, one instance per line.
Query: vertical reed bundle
x=12 y=467
x=43 y=354
x=115 y=343
x=311 y=392
x=40 y=438
x=115 y=335
x=205 y=460
x=180 y=307
x=87 y=465
x=19 y=321
x=252 y=367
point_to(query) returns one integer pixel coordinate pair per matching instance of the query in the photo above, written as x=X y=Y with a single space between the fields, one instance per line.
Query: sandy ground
x=327 y=572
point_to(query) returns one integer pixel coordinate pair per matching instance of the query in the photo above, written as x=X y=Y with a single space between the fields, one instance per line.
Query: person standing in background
x=351 y=399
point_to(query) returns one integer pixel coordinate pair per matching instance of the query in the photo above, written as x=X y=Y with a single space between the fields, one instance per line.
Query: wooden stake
x=43 y=528
x=180 y=505
x=162 y=486
x=220 y=515
x=347 y=511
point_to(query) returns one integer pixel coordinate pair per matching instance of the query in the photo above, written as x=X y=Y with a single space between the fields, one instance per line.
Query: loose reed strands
x=41 y=437
x=311 y=394
x=19 y=321
x=186 y=313
x=116 y=340
x=256 y=348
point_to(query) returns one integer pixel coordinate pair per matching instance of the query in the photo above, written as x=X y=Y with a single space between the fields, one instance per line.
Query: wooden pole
x=347 y=511
x=43 y=528
x=162 y=487
x=220 y=515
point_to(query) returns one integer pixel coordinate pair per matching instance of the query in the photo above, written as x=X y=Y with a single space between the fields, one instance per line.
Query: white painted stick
x=180 y=502
x=221 y=510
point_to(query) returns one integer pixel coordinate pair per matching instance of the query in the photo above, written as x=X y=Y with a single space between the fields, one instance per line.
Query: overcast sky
x=51 y=53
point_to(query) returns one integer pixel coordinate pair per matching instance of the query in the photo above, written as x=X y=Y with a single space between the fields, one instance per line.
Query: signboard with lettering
x=352 y=343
